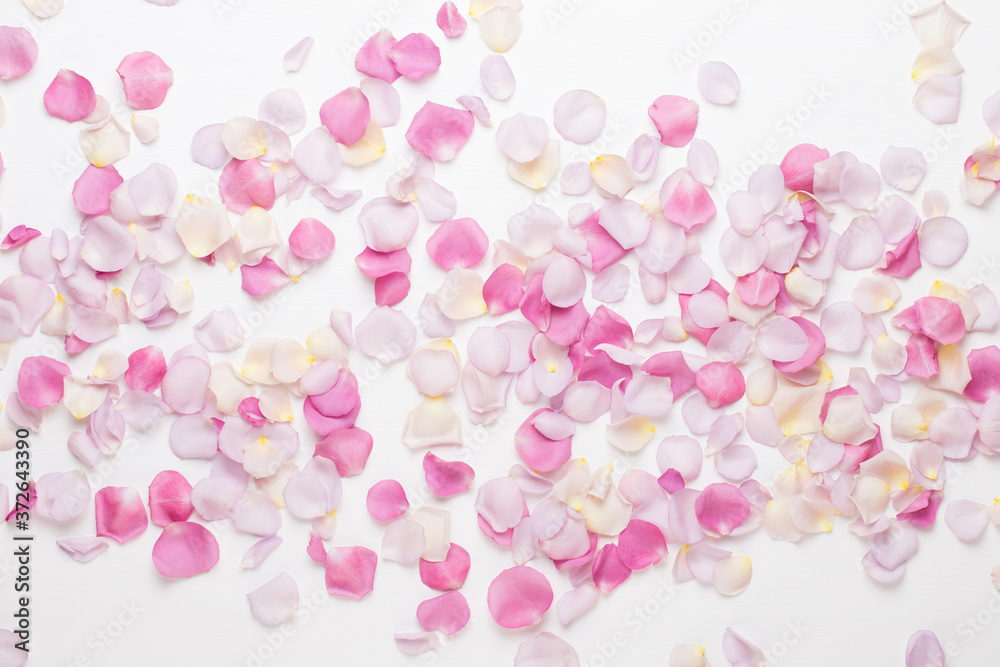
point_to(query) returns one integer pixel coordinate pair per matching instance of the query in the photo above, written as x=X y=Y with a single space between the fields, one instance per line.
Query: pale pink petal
x=146 y=79
x=943 y=240
x=284 y=109
x=276 y=601
x=522 y=138
x=403 y=542
x=207 y=148
x=388 y=224
x=107 y=245
x=577 y=602
x=296 y=56
x=721 y=508
x=611 y=284
x=937 y=98
x=499 y=501
x=675 y=118
x=350 y=572
x=447 y=613
x=736 y=462
x=317 y=156
x=859 y=185
x=903 y=168
x=184 y=385
x=967 y=518
x=718 y=82
x=861 y=245
x=18 y=52
x=80 y=549
x=496 y=76
x=439 y=132
x=518 y=597
x=627 y=222
x=436 y=202
x=377 y=264
x=92 y=191
x=383 y=101
x=579 y=116
x=386 y=334
x=415 y=56
x=120 y=512
x=415 y=643
x=545 y=650
x=923 y=649
x=476 y=106
x=739 y=651
x=69 y=96
x=185 y=549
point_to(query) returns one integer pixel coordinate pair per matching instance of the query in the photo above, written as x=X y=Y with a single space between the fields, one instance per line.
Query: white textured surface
x=226 y=55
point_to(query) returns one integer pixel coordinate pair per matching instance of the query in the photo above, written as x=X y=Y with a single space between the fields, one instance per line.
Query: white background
x=227 y=55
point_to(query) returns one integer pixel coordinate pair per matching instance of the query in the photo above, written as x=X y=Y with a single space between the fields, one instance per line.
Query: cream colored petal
x=778 y=521
x=731 y=575
x=111 y=364
x=762 y=383
x=106 y=143
x=81 y=397
x=500 y=28
x=325 y=345
x=573 y=483
x=688 y=655
x=289 y=361
x=59 y=321
x=145 y=128
x=908 y=424
x=847 y=421
x=871 y=497
x=437 y=532
x=612 y=175
x=875 y=294
x=276 y=404
x=630 y=434
x=256 y=233
x=607 y=516
x=890 y=468
x=461 y=295
x=229 y=386
x=244 y=138
x=539 y=172
x=934 y=59
x=257 y=361
x=365 y=150
x=180 y=296
x=953 y=370
x=797 y=407
x=938 y=23
x=203 y=225
x=432 y=422
x=479 y=7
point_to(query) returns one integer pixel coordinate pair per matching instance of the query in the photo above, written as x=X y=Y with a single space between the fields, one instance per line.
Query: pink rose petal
x=346 y=115
x=440 y=132
x=350 y=572
x=447 y=613
x=146 y=79
x=18 y=52
x=518 y=597
x=415 y=56
x=121 y=514
x=169 y=498
x=69 y=96
x=675 y=118
x=185 y=549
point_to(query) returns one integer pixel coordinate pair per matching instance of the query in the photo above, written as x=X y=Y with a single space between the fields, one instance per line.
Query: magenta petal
x=311 y=239
x=169 y=498
x=721 y=508
x=447 y=613
x=69 y=96
x=146 y=368
x=373 y=57
x=450 y=20
x=263 y=278
x=984 y=366
x=685 y=201
x=439 y=132
x=458 y=244
x=923 y=649
x=721 y=382
x=921 y=357
x=608 y=570
x=185 y=549
x=502 y=291
x=641 y=544
x=40 y=381
x=539 y=452
x=386 y=500
x=449 y=574
x=798 y=166
x=244 y=184
x=146 y=79
x=120 y=512
x=376 y=264
x=447 y=478
x=675 y=118
x=415 y=56
x=519 y=597
x=18 y=52
x=346 y=115
x=350 y=572
x=348 y=448
x=92 y=191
